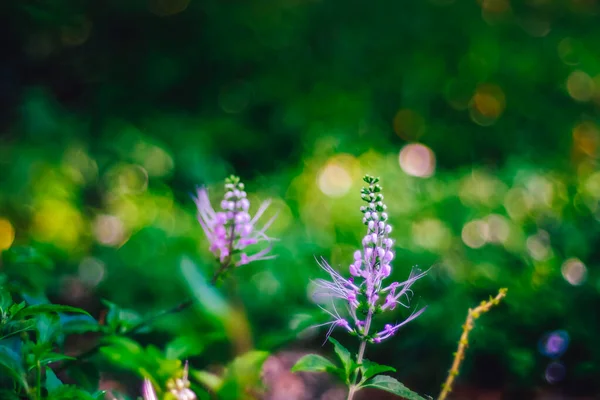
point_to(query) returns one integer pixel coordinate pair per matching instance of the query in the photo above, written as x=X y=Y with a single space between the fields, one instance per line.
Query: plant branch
x=147 y=321
x=459 y=356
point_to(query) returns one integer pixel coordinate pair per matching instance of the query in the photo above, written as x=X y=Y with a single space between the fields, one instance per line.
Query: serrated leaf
x=52 y=381
x=345 y=357
x=48 y=309
x=369 y=369
x=11 y=363
x=314 y=363
x=392 y=385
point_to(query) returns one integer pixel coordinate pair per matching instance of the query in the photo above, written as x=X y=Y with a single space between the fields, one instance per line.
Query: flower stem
x=361 y=353
x=459 y=356
x=39 y=380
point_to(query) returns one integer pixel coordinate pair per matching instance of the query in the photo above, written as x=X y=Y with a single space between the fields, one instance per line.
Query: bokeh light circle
x=7 y=234
x=554 y=344
x=555 y=372
x=417 y=160
x=574 y=271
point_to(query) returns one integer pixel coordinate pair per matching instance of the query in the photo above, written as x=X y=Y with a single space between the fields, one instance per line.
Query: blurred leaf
x=49 y=358
x=47 y=326
x=26 y=255
x=315 y=363
x=345 y=357
x=5 y=299
x=11 y=363
x=48 y=308
x=370 y=368
x=9 y=395
x=123 y=352
x=209 y=299
x=68 y=392
x=16 y=327
x=391 y=385
x=80 y=324
x=52 y=381
x=242 y=375
x=183 y=347
x=120 y=319
x=211 y=381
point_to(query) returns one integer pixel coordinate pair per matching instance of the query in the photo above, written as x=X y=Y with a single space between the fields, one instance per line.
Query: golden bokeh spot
x=165 y=8
x=408 y=124
x=487 y=104
x=337 y=176
x=58 y=222
x=7 y=234
x=585 y=137
x=580 y=86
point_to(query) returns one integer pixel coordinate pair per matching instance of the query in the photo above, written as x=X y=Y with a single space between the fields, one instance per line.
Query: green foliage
x=315 y=363
x=241 y=379
x=369 y=369
x=391 y=385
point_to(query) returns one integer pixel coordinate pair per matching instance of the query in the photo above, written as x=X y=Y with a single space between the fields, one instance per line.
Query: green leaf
x=315 y=363
x=242 y=374
x=345 y=357
x=52 y=381
x=369 y=369
x=391 y=385
x=67 y=392
x=11 y=362
x=50 y=358
x=5 y=299
x=121 y=319
x=184 y=347
x=14 y=327
x=124 y=352
x=211 y=381
x=48 y=309
x=210 y=300
x=47 y=326
x=26 y=255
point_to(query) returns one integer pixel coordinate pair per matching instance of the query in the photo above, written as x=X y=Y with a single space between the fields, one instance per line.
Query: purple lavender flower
x=231 y=230
x=364 y=291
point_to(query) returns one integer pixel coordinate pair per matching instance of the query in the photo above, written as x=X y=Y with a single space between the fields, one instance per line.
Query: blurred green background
x=480 y=117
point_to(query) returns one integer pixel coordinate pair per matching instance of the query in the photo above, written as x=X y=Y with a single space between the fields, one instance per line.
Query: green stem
x=39 y=381
x=361 y=353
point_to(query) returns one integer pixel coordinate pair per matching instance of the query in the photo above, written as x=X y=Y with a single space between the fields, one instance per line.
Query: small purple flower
x=231 y=230
x=364 y=292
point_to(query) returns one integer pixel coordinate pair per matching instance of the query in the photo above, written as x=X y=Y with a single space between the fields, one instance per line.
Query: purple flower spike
x=231 y=230
x=364 y=292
